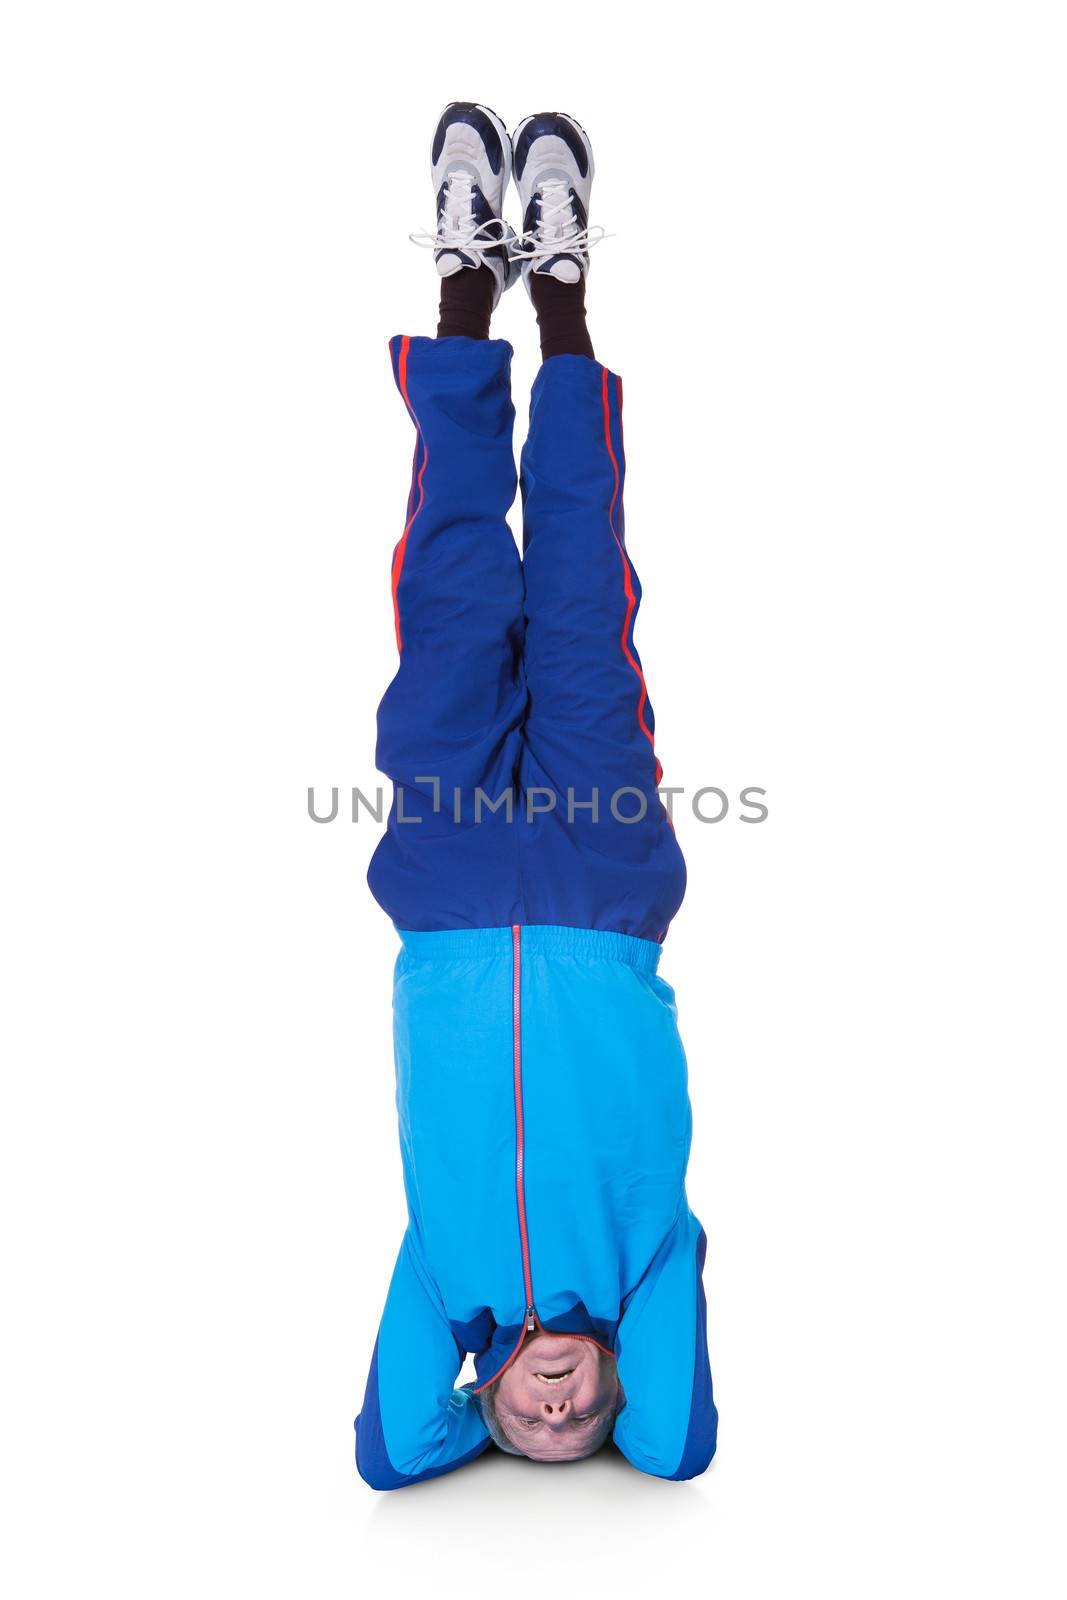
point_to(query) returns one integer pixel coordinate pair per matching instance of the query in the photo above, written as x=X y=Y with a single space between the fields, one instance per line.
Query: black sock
x=560 y=311
x=466 y=303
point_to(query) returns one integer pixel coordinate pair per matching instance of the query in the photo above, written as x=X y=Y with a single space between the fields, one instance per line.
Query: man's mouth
x=554 y=1377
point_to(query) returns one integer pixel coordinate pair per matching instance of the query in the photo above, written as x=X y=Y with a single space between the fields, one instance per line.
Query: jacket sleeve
x=414 y=1423
x=668 y=1424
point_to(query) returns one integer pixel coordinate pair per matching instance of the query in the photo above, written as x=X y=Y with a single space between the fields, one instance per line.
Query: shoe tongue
x=458 y=208
x=448 y=262
x=567 y=270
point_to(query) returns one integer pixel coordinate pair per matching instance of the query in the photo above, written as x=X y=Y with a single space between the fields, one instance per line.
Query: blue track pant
x=518 y=677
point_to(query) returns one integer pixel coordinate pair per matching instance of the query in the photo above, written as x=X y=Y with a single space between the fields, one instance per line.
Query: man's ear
x=487 y=1405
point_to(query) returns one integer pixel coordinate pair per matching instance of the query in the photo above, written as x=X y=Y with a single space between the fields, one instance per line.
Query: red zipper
x=520 y=1132
x=532 y=1322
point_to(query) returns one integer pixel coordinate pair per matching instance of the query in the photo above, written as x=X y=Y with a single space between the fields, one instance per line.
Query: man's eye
x=530 y=1422
x=590 y=1416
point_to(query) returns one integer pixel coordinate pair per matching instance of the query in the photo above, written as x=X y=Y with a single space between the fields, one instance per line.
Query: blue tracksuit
x=541 y=1082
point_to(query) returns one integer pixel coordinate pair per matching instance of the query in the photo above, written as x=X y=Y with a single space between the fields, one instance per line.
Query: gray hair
x=487 y=1406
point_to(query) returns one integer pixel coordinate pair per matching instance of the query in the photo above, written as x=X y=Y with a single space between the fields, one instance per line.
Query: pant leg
x=414 y=1423
x=669 y=1424
x=452 y=715
x=589 y=720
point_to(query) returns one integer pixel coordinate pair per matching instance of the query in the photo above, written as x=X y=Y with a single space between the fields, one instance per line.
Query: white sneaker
x=554 y=172
x=471 y=159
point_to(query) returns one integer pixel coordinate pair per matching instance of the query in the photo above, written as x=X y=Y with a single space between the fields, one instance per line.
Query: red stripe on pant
x=401 y=548
x=627 y=571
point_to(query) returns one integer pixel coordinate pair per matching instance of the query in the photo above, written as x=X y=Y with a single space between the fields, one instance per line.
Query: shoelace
x=558 y=232
x=456 y=229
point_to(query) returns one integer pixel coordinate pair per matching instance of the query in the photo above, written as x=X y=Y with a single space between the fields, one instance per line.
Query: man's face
x=557 y=1400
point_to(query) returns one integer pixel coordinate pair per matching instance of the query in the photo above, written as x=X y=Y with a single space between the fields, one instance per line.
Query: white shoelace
x=456 y=229
x=558 y=232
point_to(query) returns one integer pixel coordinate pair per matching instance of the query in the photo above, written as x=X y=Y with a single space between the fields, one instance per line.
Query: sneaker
x=471 y=169
x=554 y=173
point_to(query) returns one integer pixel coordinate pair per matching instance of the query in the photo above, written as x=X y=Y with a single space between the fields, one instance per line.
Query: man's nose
x=556 y=1412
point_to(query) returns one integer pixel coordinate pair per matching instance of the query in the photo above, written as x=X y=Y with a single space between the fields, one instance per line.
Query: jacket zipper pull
x=531 y=1320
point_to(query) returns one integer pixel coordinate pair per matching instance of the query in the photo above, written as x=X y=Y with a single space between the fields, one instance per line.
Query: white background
x=836 y=294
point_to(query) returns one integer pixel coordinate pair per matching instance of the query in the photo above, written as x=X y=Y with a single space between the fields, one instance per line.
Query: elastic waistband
x=462 y=944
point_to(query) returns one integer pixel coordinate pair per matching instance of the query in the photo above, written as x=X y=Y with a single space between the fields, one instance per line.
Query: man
x=532 y=872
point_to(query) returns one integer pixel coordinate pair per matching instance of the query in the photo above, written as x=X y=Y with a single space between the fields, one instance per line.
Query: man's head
x=557 y=1401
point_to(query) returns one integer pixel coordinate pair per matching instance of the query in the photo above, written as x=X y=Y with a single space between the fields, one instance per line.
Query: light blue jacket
x=544 y=1129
